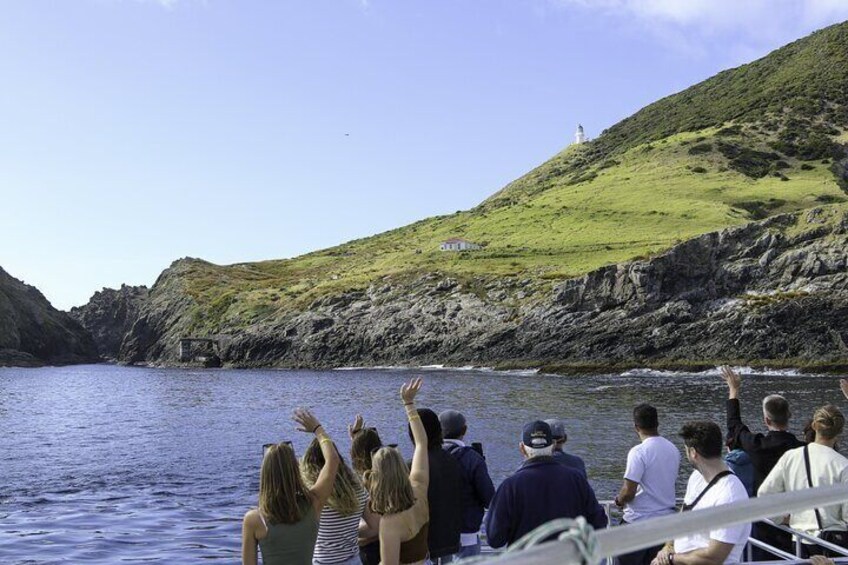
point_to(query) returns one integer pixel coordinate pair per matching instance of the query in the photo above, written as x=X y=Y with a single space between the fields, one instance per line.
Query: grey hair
x=776 y=409
x=538 y=451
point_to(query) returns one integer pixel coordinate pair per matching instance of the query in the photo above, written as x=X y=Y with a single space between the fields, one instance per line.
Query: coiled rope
x=578 y=531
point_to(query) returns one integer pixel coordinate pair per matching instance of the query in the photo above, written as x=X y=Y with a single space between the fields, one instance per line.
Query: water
x=104 y=464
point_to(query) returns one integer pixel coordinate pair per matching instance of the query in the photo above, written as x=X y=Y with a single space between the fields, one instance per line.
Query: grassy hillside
x=751 y=142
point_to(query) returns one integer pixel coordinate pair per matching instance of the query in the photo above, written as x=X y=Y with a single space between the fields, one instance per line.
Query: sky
x=137 y=132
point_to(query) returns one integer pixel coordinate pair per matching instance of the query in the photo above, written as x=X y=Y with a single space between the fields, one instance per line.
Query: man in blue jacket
x=476 y=488
x=540 y=491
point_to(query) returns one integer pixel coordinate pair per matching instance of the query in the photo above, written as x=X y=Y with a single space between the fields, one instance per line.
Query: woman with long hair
x=338 y=528
x=285 y=526
x=399 y=494
x=364 y=442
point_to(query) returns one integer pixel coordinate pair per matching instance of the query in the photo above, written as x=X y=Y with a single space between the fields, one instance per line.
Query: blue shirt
x=739 y=462
x=540 y=491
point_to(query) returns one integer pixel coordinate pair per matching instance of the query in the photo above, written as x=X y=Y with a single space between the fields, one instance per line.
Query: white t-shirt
x=728 y=489
x=827 y=468
x=653 y=464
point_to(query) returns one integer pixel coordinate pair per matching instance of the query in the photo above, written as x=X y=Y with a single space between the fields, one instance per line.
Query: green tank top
x=290 y=544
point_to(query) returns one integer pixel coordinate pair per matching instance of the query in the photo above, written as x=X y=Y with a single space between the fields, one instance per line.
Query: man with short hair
x=540 y=491
x=710 y=485
x=560 y=437
x=476 y=488
x=764 y=450
x=648 y=490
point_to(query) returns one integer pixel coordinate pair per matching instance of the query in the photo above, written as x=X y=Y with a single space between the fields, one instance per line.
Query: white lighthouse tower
x=579 y=135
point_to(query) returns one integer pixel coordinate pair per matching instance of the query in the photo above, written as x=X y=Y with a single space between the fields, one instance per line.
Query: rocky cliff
x=34 y=333
x=773 y=292
x=109 y=315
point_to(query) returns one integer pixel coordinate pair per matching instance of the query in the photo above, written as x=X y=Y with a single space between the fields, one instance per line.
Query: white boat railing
x=611 y=542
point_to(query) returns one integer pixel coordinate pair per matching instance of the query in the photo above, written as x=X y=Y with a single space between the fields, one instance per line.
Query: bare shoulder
x=252 y=519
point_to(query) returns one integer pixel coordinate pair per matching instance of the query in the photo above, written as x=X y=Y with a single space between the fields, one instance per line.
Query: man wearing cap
x=540 y=491
x=476 y=488
x=560 y=437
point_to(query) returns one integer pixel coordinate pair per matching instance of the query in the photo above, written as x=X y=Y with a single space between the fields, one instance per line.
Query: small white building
x=459 y=244
x=579 y=135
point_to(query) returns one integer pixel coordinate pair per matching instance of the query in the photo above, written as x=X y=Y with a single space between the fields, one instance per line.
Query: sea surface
x=107 y=464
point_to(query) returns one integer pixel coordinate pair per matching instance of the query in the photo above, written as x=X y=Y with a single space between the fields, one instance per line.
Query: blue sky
x=135 y=132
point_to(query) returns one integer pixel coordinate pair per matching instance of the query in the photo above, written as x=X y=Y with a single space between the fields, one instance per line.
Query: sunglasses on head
x=267 y=446
x=379 y=447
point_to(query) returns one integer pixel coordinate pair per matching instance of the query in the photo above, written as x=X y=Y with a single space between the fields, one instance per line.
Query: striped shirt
x=338 y=536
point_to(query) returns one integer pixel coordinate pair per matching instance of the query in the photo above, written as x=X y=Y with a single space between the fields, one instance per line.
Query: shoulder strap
x=712 y=483
x=810 y=482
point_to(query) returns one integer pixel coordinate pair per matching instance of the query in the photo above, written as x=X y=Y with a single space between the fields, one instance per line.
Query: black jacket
x=443 y=495
x=763 y=449
x=476 y=490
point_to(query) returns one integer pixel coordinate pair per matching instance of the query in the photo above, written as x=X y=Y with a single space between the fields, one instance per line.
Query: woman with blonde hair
x=399 y=494
x=338 y=528
x=816 y=464
x=285 y=526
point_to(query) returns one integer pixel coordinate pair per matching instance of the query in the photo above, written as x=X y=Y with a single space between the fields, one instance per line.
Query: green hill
x=751 y=142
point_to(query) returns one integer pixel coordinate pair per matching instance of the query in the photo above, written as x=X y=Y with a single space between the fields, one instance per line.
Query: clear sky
x=136 y=132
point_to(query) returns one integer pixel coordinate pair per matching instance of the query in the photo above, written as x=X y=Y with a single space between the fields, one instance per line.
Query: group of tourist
x=382 y=509
x=755 y=464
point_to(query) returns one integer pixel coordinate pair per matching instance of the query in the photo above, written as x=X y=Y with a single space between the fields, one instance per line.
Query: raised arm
x=733 y=380
x=420 y=472
x=735 y=426
x=323 y=487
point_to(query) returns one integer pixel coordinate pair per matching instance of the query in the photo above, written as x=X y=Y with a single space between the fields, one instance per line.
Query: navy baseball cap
x=537 y=435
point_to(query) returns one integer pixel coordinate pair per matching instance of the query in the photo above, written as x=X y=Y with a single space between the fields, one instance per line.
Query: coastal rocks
x=774 y=291
x=109 y=315
x=33 y=333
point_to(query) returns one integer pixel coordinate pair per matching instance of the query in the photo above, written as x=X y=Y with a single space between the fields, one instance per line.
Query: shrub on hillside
x=700 y=149
x=751 y=163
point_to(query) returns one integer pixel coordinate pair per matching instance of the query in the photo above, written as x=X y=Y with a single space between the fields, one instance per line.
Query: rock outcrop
x=109 y=316
x=33 y=333
x=773 y=291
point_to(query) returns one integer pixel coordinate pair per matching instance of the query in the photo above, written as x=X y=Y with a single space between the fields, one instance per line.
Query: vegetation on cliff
x=750 y=143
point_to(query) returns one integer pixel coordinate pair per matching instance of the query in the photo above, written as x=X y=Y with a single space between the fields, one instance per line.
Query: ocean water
x=106 y=464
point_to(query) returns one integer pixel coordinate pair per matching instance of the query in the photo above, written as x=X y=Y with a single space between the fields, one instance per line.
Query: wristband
x=325 y=439
x=408 y=403
x=414 y=417
x=316 y=428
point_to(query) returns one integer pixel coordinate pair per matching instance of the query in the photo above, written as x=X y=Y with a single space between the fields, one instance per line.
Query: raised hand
x=354 y=429
x=843 y=384
x=733 y=380
x=306 y=422
x=410 y=389
x=821 y=559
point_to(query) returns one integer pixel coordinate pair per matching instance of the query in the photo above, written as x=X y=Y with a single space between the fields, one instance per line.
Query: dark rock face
x=773 y=290
x=34 y=333
x=109 y=315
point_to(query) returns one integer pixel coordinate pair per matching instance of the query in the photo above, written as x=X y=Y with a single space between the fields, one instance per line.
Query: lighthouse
x=579 y=135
